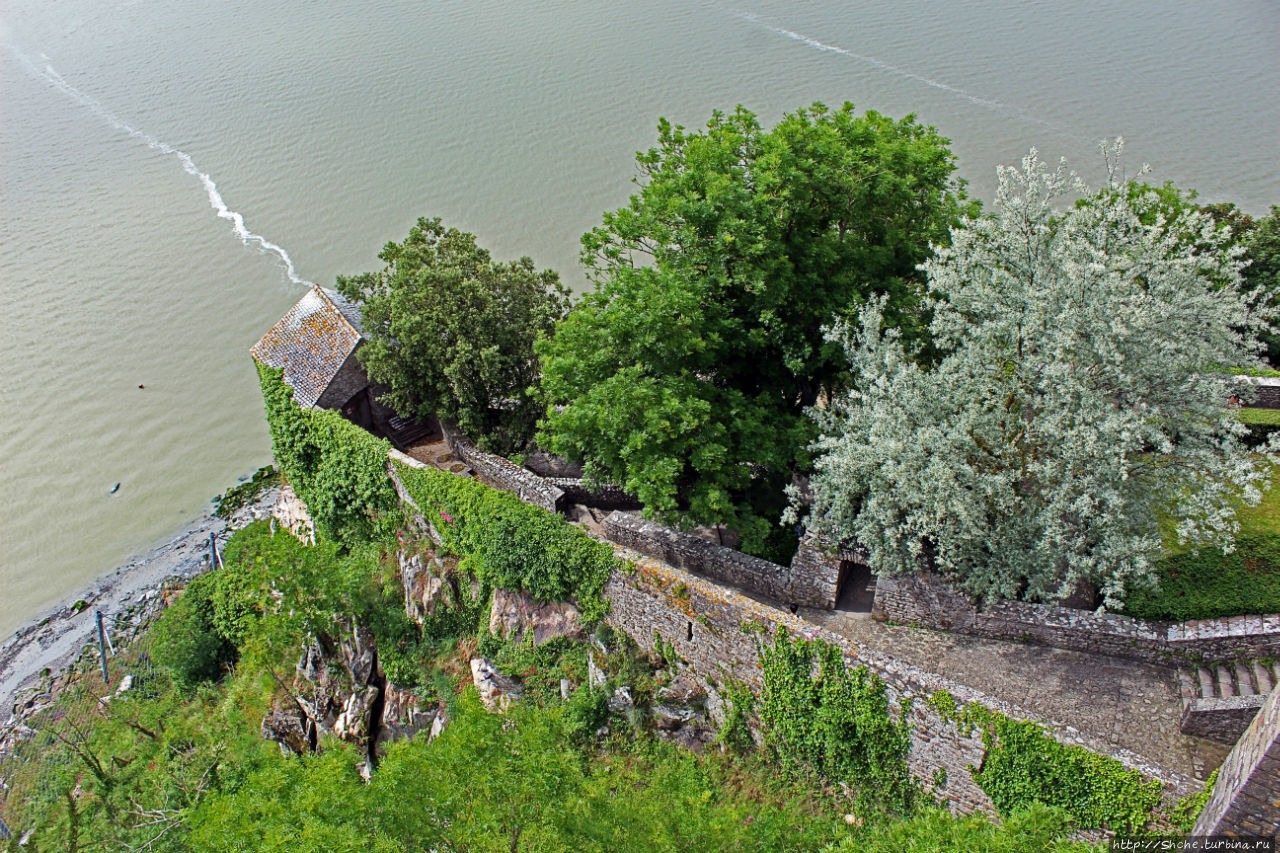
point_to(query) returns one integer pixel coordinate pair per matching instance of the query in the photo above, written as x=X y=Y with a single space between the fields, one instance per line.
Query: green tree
x=1076 y=405
x=450 y=332
x=684 y=376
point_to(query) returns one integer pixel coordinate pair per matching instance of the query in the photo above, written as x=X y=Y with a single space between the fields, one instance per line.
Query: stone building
x=315 y=344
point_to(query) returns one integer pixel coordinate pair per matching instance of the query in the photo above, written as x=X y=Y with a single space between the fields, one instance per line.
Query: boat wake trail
x=988 y=103
x=247 y=237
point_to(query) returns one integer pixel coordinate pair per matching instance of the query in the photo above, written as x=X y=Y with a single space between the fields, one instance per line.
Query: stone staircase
x=1220 y=700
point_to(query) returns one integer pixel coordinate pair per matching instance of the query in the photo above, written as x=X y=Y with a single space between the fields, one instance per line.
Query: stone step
x=1244 y=679
x=1265 y=680
x=1225 y=682
x=1205 y=677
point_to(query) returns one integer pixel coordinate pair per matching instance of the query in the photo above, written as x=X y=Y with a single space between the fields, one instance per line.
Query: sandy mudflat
x=55 y=638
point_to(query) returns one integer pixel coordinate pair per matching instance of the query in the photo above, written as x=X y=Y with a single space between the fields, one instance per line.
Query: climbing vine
x=819 y=714
x=1024 y=764
x=337 y=468
x=509 y=544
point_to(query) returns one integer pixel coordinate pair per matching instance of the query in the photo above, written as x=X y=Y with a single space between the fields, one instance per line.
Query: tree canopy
x=450 y=332
x=684 y=376
x=1075 y=407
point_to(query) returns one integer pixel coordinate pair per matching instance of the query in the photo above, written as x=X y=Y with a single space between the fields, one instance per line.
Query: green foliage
x=451 y=333
x=186 y=640
x=817 y=713
x=247 y=492
x=1187 y=811
x=337 y=468
x=684 y=376
x=1036 y=829
x=735 y=730
x=1024 y=765
x=509 y=544
x=585 y=712
x=1075 y=402
x=1208 y=583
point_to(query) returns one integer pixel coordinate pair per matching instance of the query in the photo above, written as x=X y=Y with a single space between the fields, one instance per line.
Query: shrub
x=185 y=640
x=338 y=469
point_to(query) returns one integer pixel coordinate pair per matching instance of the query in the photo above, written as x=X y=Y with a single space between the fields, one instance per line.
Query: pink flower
x=447 y=517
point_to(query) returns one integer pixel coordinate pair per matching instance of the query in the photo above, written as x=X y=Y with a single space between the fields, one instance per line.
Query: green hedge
x=509 y=544
x=338 y=469
x=1209 y=584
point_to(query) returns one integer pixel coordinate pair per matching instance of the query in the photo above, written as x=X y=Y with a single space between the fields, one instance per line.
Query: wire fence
x=41 y=755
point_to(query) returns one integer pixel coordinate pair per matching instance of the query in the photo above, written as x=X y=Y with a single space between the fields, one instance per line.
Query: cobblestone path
x=1123 y=702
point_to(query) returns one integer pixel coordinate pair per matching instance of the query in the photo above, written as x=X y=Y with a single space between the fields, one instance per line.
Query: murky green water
x=331 y=126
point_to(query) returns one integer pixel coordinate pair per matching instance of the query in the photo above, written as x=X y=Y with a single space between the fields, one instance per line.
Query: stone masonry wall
x=601 y=497
x=704 y=623
x=928 y=600
x=505 y=474
x=718 y=562
x=1246 y=800
x=1221 y=719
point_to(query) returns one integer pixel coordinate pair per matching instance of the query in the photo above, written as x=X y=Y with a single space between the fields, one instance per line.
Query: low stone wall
x=504 y=473
x=1221 y=719
x=704 y=623
x=600 y=497
x=1267 y=390
x=928 y=600
x=716 y=561
x=1246 y=800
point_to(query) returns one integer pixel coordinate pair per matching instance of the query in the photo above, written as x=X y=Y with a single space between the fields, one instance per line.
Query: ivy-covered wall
x=507 y=543
x=334 y=466
x=714 y=631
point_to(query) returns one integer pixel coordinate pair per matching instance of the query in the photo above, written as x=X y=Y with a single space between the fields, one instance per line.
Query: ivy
x=1187 y=811
x=735 y=730
x=509 y=544
x=337 y=468
x=817 y=713
x=1023 y=764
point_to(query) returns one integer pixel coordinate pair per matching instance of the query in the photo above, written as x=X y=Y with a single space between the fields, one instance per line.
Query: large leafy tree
x=1260 y=239
x=1076 y=405
x=450 y=332
x=684 y=376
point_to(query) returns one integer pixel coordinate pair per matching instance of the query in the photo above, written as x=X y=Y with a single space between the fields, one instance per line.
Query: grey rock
x=497 y=691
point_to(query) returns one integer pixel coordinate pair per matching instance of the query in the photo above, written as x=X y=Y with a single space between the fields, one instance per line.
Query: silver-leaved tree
x=1082 y=397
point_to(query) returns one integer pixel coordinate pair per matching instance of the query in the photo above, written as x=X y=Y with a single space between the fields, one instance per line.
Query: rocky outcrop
x=429 y=584
x=292 y=514
x=515 y=615
x=497 y=691
x=339 y=690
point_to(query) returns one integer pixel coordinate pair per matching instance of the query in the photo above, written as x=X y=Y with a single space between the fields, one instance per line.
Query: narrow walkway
x=1127 y=703
x=1132 y=705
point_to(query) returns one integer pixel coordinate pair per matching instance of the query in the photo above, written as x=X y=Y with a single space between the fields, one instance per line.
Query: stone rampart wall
x=1221 y=719
x=505 y=474
x=1246 y=800
x=927 y=600
x=719 y=563
x=704 y=624
x=600 y=497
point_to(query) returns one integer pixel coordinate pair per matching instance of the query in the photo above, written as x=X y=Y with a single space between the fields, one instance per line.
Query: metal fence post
x=102 y=647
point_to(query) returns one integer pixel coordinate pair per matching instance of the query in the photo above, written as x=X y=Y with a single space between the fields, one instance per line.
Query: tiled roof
x=311 y=342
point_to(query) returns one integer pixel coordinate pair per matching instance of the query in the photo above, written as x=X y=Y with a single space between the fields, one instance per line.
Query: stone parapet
x=1246 y=799
x=926 y=599
x=504 y=473
x=721 y=564
x=704 y=623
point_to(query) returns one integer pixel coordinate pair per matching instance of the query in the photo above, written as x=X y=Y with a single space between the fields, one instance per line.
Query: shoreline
x=53 y=639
